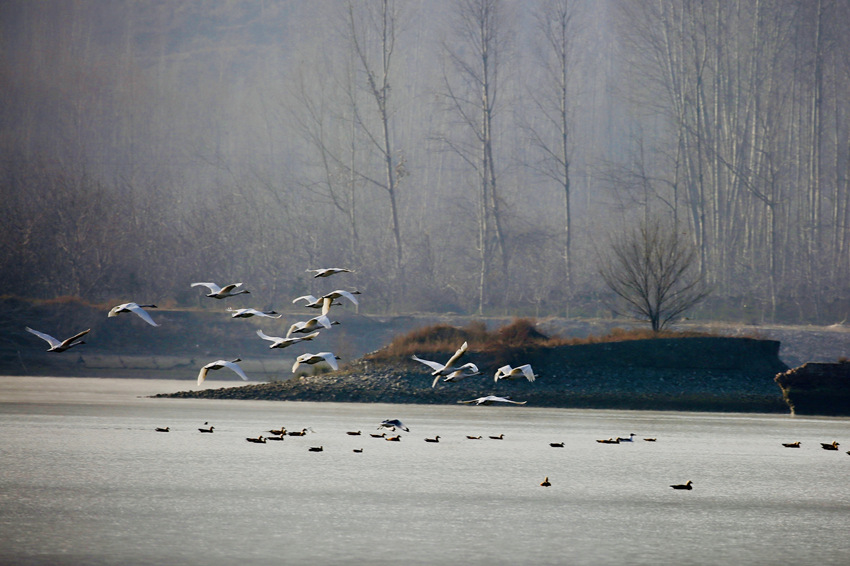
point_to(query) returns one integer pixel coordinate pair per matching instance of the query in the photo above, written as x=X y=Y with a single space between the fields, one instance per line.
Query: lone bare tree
x=653 y=272
x=480 y=39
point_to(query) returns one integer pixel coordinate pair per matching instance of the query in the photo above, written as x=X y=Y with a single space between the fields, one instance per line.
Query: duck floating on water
x=688 y=485
x=545 y=482
x=833 y=446
x=791 y=444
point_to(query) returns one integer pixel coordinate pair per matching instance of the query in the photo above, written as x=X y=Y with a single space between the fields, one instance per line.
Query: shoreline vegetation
x=642 y=370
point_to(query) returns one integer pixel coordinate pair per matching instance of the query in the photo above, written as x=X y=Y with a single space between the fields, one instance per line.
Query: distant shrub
x=505 y=343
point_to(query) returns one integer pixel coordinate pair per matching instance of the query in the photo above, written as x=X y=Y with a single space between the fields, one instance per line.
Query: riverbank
x=688 y=374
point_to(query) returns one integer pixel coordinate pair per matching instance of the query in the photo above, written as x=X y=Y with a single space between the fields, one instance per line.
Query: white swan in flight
x=60 y=345
x=448 y=367
x=328 y=271
x=311 y=359
x=217 y=292
x=136 y=309
x=393 y=424
x=489 y=399
x=278 y=342
x=464 y=371
x=521 y=372
x=306 y=326
x=218 y=364
x=248 y=313
x=318 y=302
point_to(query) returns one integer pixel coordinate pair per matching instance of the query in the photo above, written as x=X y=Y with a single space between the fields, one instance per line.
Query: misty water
x=85 y=479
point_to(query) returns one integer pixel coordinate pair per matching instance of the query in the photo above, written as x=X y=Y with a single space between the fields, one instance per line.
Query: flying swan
x=57 y=345
x=448 y=367
x=278 y=342
x=311 y=359
x=217 y=292
x=521 y=372
x=136 y=309
x=218 y=364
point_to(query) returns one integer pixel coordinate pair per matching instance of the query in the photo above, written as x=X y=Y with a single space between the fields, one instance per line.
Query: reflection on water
x=86 y=479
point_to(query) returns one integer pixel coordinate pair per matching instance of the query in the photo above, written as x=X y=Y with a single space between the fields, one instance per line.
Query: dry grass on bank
x=519 y=335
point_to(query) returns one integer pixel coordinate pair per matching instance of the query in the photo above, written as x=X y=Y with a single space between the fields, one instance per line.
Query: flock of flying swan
x=308 y=327
x=448 y=372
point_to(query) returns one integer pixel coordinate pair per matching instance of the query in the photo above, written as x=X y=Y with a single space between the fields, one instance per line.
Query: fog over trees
x=470 y=156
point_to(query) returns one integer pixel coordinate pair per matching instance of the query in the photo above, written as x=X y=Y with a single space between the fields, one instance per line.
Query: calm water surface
x=85 y=479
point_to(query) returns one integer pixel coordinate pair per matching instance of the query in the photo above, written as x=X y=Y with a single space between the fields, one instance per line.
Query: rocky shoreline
x=696 y=374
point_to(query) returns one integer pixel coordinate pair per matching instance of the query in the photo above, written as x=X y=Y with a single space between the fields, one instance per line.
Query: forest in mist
x=470 y=156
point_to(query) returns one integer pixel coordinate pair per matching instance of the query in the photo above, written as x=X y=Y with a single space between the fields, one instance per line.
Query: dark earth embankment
x=187 y=338
x=817 y=388
x=706 y=374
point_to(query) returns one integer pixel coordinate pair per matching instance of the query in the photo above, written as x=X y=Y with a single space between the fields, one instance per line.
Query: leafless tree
x=378 y=26
x=651 y=271
x=552 y=101
x=470 y=91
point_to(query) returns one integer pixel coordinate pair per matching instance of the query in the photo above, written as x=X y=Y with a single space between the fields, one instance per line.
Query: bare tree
x=380 y=24
x=553 y=100
x=652 y=272
x=470 y=91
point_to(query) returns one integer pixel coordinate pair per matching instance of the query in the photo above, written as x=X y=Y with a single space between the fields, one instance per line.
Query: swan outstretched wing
x=527 y=372
x=265 y=336
x=310 y=299
x=436 y=366
x=229 y=288
x=342 y=293
x=46 y=337
x=236 y=369
x=502 y=371
x=214 y=288
x=133 y=307
x=330 y=357
x=460 y=352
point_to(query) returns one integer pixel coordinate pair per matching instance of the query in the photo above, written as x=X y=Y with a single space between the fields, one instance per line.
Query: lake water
x=85 y=479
